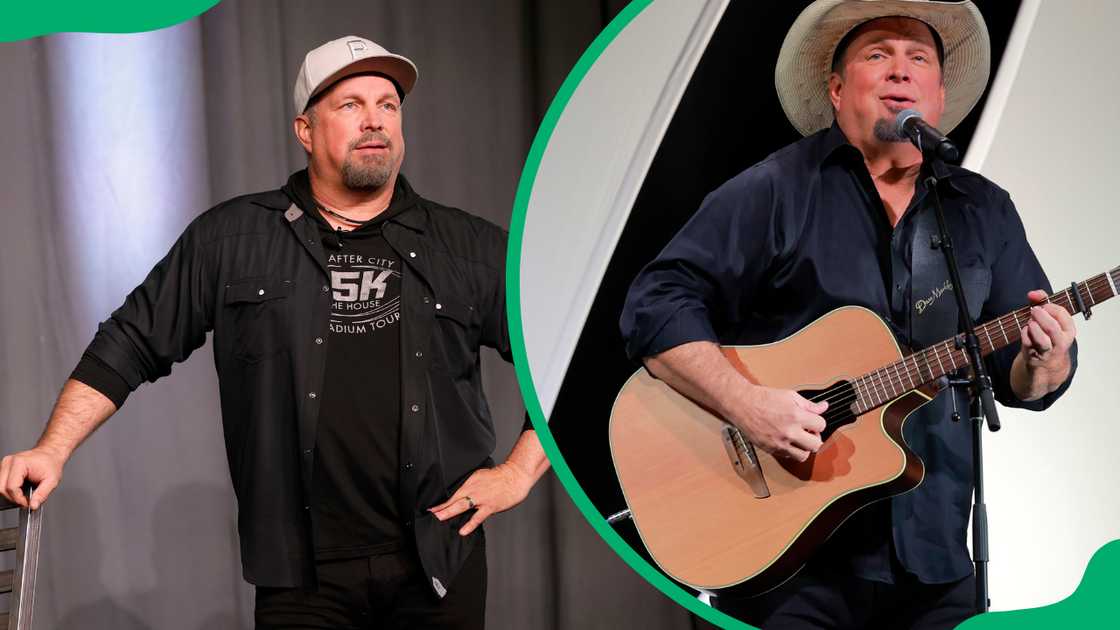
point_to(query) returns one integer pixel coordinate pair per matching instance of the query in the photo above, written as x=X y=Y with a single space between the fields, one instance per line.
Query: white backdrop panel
x=592 y=171
x=1051 y=479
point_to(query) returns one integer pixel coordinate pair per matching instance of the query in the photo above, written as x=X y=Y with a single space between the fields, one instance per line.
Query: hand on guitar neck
x=778 y=421
x=1043 y=362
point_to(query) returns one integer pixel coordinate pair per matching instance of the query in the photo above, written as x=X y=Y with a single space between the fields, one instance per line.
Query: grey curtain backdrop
x=113 y=144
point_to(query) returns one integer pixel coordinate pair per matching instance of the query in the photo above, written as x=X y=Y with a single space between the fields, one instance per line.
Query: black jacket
x=253 y=270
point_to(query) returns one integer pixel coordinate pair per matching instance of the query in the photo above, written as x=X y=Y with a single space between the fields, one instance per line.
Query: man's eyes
x=387 y=106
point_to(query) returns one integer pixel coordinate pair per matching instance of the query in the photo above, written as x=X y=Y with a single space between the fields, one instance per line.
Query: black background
x=728 y=119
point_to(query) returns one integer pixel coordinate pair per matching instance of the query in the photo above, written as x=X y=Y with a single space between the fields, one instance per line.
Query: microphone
x=930 y=141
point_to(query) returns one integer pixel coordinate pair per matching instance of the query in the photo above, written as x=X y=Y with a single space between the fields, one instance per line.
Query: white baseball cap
x=345 y=56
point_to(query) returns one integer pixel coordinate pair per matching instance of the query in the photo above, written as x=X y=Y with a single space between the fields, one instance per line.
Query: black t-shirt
x=356 y=475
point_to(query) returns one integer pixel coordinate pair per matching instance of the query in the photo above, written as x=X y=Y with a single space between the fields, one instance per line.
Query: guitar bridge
x=744 y=461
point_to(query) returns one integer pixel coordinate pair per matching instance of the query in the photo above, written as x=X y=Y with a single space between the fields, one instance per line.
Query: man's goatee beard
x=365 y=176
x=887 y=131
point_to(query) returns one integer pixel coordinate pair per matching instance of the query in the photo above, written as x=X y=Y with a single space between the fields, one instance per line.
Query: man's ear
x=302 y=126
x=835 y=85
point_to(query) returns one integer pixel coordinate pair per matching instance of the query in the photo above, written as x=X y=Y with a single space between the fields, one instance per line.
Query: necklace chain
x=342 y=217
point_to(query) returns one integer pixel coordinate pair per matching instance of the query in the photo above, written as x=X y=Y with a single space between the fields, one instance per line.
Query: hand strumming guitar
x=778 y=421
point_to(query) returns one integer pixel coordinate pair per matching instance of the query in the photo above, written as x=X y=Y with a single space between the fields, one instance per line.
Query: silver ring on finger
x=470 y=503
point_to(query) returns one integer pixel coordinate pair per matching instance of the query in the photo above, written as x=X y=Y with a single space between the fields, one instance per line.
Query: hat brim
x=396 y=67
x=805 y=61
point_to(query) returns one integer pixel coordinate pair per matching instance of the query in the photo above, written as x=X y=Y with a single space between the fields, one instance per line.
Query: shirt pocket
x=456 y=339
x=258 y=311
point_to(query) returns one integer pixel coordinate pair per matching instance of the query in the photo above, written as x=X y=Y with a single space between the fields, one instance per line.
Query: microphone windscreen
x=902 y=117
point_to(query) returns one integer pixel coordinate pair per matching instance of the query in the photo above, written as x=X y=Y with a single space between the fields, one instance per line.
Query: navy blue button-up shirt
x=804 y=232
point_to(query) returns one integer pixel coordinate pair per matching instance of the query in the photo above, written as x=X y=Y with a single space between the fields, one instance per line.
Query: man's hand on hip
x=487 y=491
x=491 y=490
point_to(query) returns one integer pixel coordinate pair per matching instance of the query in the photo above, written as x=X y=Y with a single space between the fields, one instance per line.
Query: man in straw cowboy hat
x=836 y=219
x=347 y=312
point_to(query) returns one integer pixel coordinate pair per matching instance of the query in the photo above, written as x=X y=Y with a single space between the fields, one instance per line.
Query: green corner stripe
x=1088 y=607
x=1085 y=608
x=521 y=362
x=31 y=19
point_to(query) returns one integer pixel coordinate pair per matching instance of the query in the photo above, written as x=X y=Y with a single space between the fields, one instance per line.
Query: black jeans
x=819 y=599
x=383 y=591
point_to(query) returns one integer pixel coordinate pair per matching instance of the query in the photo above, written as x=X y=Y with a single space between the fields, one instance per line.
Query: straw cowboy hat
x=805 y=61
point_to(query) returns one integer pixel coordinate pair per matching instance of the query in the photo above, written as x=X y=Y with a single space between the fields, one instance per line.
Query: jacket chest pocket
x=258 y=313
x=456 y=338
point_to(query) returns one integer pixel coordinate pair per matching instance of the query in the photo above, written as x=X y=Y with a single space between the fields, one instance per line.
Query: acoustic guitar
x=715 y=513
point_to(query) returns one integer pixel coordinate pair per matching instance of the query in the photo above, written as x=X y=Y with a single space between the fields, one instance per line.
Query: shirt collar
x=403 y=207
x=834 y=146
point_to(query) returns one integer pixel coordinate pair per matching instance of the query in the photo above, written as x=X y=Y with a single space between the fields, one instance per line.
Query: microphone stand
x=982 y=404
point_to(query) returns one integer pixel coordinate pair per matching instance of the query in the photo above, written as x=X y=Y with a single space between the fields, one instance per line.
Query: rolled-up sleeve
x=160 y=323
x=709 y=272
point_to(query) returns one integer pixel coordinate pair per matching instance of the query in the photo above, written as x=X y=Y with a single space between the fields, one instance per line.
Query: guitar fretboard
x=926 y=366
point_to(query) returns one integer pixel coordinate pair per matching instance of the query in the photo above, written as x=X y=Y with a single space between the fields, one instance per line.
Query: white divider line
x=1007 y=71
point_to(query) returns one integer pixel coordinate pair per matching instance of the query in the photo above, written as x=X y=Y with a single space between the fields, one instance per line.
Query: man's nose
x=372 y=119
x=900 y=69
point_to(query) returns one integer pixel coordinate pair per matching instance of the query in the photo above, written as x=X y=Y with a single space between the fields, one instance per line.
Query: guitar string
x=884 y=373
x=847 y=390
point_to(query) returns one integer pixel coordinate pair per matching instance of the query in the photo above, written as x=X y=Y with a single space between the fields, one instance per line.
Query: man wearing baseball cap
x=348 y=314
x=840 y=218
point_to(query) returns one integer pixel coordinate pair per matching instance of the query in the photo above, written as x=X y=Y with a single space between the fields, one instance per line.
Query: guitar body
x=700 y=521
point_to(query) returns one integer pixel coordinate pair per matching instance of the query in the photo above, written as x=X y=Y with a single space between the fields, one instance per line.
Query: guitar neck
x=920 y=368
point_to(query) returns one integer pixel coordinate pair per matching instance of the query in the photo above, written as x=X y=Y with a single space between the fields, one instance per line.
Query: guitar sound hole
x=840 y=397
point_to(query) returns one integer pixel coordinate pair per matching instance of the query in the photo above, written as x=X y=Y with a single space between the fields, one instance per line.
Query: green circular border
x=517 y=337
